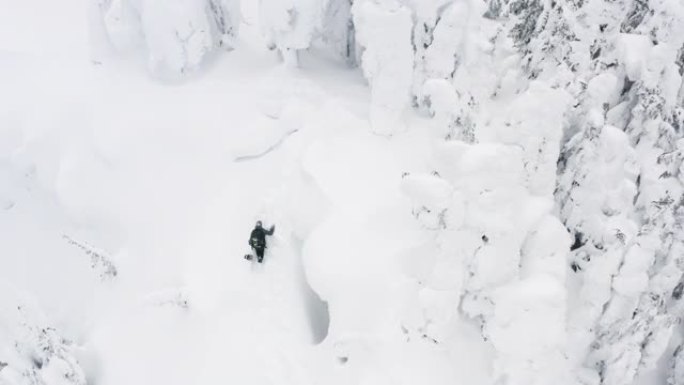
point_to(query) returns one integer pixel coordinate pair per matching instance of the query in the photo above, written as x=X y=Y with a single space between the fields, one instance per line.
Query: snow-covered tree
x=627 y=229
x=507 y=274
x=652 y=265
x=33 y=352
x=290 y=25
x=226 y=21
x=436 y=51
x=383 y=31
x=177 y=35
x=337 y=29
x=442 y=49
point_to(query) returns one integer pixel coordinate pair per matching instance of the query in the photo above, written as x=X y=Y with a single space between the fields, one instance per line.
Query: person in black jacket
x=257 y=240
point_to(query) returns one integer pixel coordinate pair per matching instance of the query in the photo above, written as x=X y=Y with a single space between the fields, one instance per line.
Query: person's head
x=259 y=224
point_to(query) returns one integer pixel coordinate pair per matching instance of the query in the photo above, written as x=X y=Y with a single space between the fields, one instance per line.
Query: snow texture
x=464 y=192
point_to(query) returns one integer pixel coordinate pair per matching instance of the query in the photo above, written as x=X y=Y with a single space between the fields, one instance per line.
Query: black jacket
x=258 y=237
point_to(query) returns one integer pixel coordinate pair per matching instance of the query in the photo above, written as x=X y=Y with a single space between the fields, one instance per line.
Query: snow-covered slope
x=463 y=192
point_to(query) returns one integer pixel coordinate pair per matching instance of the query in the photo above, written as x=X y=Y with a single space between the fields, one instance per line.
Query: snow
x=633 y=51
x=482 y=201
x=157 y=188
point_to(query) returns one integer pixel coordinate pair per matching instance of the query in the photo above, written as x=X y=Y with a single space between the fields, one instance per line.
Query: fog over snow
x=476 y=192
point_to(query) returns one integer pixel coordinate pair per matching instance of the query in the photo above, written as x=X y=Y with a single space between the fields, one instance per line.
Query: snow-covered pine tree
x=638 y=76
x=596 y=188
x=290 y=25
x=226 y=21
x=428 y=15
x=337 y=30
x=177 y=35
x=442 y=41
x=33 y=352
x=383 y=31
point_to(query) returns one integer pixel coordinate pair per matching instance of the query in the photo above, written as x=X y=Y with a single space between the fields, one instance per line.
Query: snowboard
x=251 y=257
x=255 y=266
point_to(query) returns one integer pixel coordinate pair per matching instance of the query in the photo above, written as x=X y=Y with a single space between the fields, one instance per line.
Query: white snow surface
x=102 y=165
x=417 y=238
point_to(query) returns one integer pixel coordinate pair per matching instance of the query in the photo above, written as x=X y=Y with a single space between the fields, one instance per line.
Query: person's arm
x=271 y=230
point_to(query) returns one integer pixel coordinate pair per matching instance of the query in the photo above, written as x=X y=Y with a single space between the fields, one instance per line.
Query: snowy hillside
x=481 y=192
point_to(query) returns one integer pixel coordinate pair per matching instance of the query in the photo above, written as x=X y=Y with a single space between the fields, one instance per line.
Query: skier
x=257 y=240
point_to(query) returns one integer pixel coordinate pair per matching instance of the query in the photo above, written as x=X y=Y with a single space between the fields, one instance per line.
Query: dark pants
x=260 y=253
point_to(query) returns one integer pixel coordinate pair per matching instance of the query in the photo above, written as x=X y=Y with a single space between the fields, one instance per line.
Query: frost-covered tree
x=436 y=50
x=507 y=274
x=634 y=236
x=290 y=25
x=597 y=185
x=383 y=31
x=638 y=318
x=619 y=187
x=177 y=35
x=442 y=50
x=466 y=75
x=337 y=29
x=676 y=367
x=226 y=21
x=33 y=353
